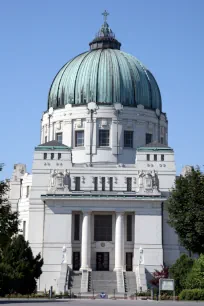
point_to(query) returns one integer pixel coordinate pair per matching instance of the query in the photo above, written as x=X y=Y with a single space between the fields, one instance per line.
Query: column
x=86 y=241
x=119 y=241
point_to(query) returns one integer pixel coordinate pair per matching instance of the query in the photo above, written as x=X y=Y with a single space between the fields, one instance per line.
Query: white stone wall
x=70 y=119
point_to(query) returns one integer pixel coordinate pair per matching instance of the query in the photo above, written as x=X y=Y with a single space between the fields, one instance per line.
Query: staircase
x=75 y=281
x=63 y=278
x=130 y=282
x=103 y=281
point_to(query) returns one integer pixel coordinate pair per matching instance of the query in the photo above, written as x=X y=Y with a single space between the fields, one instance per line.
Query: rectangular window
x=110 y=183
x=155 y=157
x=27 y=191
x=162 y=157
x=24 y=228
x=103 y=183
x=128 y=139
x=95 y=184
x=59 y=137
x=76 y=226
x=129 y=184
x=103 y=228
x=77 y=183
x=45 y=156
x=162 y=140
x=129 y=227
x=148 y=157
x=148 y=138
x=103 y=138
x=52 y=155
x=79 y=138
x=59 y=155
x=45 y=139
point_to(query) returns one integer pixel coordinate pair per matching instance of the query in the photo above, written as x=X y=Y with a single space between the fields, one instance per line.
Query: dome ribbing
x=105 y=75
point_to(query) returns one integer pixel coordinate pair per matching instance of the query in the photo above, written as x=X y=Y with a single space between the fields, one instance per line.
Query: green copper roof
x=105 y=75
x=52 y=145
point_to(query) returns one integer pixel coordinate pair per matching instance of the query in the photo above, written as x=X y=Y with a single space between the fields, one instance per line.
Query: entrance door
x=102 y=261
x=76 y=261
x=129 y=261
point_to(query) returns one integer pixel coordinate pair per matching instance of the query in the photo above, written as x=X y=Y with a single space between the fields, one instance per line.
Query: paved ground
x=99 y=303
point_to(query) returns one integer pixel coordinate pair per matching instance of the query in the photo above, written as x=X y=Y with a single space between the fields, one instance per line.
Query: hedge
x=192 y=295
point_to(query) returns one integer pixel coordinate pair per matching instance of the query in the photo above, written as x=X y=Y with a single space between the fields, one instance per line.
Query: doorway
x=76 y=261
x=102 y=261
x=129 y=261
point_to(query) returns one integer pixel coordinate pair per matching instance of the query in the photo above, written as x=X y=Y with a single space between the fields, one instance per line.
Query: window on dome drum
x=77 y=183
x=45 y=155
x=95 y=184
x=162 y=157
x=103 y=138
x=79 y=138
x=148 y=157
x=59 y=155
x=129 y=227
x=59 y=137
x=110 y=183
x=24 y=228
x=103 y=181
x=162 y=140
x=76 y=226
x=27 y=191
x=128 y=139
x=52 y=155
x=129 y=184
x=148 y=138
x=103 y=228
x=155 y=157
x=45 y=139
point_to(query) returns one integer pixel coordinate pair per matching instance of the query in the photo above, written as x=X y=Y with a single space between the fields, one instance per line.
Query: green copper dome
x=105 y=75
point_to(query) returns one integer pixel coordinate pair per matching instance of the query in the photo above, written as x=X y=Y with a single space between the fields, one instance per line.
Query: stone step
x=103 y=281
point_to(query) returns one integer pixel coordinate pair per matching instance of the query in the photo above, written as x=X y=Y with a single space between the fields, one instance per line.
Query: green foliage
x=186 y=214
x=19 y=269
x=8 y=220
x=180 y=270
x=192 y=295
x=195 y=278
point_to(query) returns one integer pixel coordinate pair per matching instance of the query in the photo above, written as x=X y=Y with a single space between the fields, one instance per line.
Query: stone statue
x=67 y=179
x=52 y=178
x=64 y=254
x=155 y=181
x=141 y=175
x=141 y=258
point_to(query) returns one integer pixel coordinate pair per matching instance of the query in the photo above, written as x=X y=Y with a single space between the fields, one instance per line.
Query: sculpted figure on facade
x=67 y=180
x=141 y=256
x=64 y=254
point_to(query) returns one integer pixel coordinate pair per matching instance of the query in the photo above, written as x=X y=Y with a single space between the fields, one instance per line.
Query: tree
x=164 y=273
x=19 y=269
x=180 y=270
x=8 y=220
x=186 y=210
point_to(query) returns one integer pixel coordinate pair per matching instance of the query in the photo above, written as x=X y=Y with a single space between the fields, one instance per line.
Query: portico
x=103 y=235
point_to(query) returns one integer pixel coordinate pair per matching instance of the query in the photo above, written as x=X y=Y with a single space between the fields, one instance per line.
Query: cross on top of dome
x=105 y=38
x=105 y=15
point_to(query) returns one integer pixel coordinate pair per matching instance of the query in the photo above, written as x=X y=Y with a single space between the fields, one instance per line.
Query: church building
x=94 y=204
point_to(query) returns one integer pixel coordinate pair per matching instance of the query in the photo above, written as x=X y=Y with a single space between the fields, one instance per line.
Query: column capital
x=119 y=212
x=86 y=212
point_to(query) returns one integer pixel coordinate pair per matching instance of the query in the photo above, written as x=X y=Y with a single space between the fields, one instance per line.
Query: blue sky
x=39 y=37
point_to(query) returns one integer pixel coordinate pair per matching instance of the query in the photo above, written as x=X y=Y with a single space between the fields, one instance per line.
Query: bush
x=179 y=272
x=192 y=295
x=195 y=278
